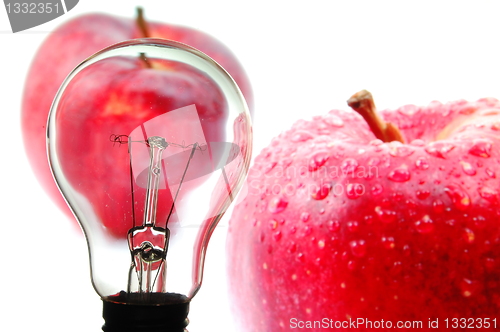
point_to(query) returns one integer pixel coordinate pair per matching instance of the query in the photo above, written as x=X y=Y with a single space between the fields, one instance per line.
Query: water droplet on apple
x=333 y=120
x=406 y=250
x=422 y=163
x=385 y=215
x=451 y=222
x=277 y=236
x=388 y=242
x=318 y=160
x=409 y=110
x=459 y=197
x=352 y=226
x=422 y=194
x=488 y=194
x=277 y=204
x=351 y=265
x=374 y=161
x=481 y=148
x=333 y=225
x=354 y=190
x=479 y=222
x=417 y=142
x=268 y=167
x=358 y=248
x=305 y=216
x=397 y=196
x=396 y=268
x=349 y=166
x=321 y=244
x=397 y=149
x=439 y=149
x=300 y=257
x=489 y=263
x=467 y=168
x=424 y=225
x=469 y=236
x=301 y=136
x=285 y=162
x=273 y=224
x=262 y=237
x=377 y=189
x=467 y=287
x=320 y=191
x=376 y=142
x=401 y=174
x=263 y=196
x=438 y=206
x=490 y=173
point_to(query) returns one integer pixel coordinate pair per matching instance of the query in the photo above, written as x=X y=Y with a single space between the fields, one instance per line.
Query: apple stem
x=141 y=23
x=143 y=27
x=362 y=102
x=145 y=60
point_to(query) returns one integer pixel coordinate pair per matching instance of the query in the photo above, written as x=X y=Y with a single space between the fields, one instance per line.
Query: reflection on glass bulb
x=149 y=141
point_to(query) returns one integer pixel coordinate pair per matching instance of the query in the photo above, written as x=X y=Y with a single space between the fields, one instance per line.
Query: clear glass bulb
x=149 y=141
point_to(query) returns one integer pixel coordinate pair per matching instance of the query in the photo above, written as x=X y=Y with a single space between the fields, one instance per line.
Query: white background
x=303 y=58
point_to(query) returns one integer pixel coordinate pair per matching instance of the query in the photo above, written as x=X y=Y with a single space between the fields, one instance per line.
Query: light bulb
x=149 y=141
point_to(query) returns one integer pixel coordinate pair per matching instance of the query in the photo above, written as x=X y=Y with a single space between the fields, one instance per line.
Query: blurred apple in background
x=391 y=216
x=81 y=37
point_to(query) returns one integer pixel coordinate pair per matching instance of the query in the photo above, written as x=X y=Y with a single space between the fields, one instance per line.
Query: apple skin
x=340 y=225
x=72 y=43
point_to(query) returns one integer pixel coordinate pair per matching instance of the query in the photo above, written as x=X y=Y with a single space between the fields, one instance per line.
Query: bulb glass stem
x=157 y=145
x=148 y=243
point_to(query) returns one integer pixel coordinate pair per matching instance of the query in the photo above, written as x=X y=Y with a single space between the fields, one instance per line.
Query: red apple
x=72 y=43
x=350 y=219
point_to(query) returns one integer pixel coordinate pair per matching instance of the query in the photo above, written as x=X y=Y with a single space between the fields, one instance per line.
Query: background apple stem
x=141 y=23
x=362 y=102
x=143 y=28
x=145 y=60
